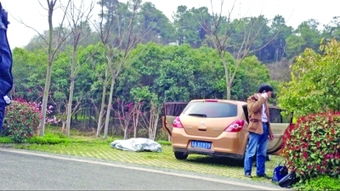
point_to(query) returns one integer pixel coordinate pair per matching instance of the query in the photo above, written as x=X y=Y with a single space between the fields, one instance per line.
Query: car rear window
x=211 y=109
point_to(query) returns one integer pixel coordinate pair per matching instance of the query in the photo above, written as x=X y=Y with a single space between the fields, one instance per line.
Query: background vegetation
x=111 y=77
x=172 y=61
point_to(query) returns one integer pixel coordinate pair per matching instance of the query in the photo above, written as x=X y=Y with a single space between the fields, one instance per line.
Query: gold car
x=214 y=127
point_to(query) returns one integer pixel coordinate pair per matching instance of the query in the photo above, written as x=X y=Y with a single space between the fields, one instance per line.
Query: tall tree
x=332 y=30
x=118 y=41
x=189 y=25
x=77 y=17
x=221 y=33
x=307 y=35
x=105 y=29
x=276 y=49
x=52 y=52
x=154 y=25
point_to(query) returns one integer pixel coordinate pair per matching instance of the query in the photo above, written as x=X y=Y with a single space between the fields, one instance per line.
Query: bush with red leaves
x=312 y=145
x=21 y=120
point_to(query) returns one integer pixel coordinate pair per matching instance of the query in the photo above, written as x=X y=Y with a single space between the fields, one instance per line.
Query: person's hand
x=7 y=100
x=264 y=95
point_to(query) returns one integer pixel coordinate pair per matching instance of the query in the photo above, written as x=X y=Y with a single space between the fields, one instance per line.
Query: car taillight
x=177 y=123
x=235 y=126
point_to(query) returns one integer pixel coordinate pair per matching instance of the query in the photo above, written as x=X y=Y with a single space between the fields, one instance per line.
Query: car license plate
x=201 y=144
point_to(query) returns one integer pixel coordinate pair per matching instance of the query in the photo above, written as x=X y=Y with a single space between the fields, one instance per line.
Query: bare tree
x=153 y=120
x=106 y=32
x=137 y=111
x=53 y=49
x=124 y=112
x=118 y=47
x=149 y=119
x=219 y=37
x=77 y=17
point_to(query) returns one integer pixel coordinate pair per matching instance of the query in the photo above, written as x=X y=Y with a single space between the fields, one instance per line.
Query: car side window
x=174 y=108
x=277 y=117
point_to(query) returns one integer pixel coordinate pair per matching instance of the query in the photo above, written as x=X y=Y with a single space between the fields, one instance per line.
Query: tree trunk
x=70 y=98
x=109 y=105
x=49 y=68
x=155 y=126
x=45 y=100
x=126 y=130
x=102 y=106
x=63 y=126
x=226 y=77
x=154 y=117
x=135 y=120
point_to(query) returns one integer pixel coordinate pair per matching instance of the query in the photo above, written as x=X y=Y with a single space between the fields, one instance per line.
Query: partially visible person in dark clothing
x=6 y=79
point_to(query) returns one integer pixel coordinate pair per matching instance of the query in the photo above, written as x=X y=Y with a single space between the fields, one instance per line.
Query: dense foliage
x=155 y=73
x=22 y=120
x=183 y=65
x=312 y=145
x=315 y=84
x=320 y=183
x=275 y=42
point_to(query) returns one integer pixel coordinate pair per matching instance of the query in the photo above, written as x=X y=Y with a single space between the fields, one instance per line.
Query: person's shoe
x=264 y=176
x=248 y=175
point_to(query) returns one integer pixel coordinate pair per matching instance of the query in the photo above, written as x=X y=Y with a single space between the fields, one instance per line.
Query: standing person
x=6 y=80
x=259 y=131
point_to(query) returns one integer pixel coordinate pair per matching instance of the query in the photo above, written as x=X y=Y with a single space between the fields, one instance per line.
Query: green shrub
x=314 y=85
x=312 y=145
x=5 y=140
x=50 y=139
x=320 y=183
x=21 y=120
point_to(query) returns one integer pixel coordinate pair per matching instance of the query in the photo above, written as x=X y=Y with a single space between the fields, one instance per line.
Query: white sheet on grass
x=137 y=144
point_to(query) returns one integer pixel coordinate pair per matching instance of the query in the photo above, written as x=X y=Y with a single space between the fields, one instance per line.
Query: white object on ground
x=137 y=144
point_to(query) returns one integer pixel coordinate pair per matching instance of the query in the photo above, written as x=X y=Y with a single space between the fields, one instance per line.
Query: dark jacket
x=6 y=79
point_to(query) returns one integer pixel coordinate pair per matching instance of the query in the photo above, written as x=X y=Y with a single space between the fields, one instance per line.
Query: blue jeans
x=257 y=144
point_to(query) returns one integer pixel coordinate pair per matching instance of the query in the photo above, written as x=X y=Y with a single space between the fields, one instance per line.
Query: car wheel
x=181 y=155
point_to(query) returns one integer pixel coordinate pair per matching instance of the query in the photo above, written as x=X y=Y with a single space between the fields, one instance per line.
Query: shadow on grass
x=218 y=161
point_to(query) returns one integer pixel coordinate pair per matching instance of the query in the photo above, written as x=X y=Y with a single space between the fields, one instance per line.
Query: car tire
x=181 y=155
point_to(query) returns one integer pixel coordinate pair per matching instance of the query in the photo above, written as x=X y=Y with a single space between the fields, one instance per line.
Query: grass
x=320 y=183
x=96 y=148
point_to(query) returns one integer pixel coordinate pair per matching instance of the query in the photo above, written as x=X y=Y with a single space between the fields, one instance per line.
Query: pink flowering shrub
x=312 y=145
x=21 y=120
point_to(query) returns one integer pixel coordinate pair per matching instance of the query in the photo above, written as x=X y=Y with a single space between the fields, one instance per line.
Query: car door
x=170 y=111
x=278 y=125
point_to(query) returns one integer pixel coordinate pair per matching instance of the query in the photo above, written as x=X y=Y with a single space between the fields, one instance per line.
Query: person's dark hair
x=265 y=87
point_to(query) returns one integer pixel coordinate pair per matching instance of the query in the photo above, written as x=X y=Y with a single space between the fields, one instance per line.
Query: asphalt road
x=23 y=170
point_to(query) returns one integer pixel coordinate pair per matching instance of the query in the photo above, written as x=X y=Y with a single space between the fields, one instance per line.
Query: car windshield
x=210 y=109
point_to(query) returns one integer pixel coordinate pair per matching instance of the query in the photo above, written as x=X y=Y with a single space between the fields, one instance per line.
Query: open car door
x=278 y=125
x=170 y=111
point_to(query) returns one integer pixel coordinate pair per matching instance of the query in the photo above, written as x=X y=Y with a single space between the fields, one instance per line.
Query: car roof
x=220 y=100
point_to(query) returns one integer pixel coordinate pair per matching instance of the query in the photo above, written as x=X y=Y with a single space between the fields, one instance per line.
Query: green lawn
x=101 y=149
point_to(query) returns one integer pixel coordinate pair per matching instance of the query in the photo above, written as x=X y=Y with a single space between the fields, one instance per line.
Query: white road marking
x=257 y=187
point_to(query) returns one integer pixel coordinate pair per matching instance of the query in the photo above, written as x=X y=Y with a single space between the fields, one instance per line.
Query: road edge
x=210 y=179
